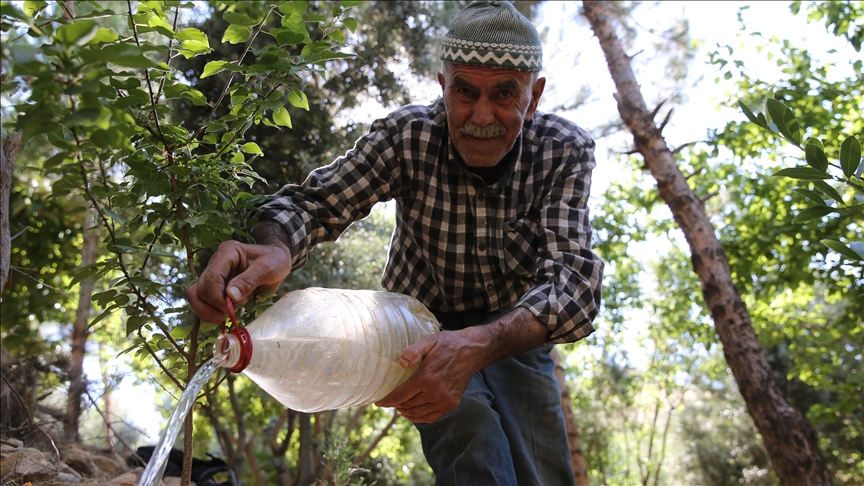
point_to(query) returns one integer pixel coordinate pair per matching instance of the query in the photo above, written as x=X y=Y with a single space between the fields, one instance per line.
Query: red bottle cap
x=243 y=338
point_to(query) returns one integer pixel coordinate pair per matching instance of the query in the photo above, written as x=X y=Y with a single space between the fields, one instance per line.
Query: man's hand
x=447 y=361
x=237 y=270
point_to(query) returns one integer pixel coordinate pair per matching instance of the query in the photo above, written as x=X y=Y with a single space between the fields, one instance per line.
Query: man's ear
x=536 y=92
x=441 y=81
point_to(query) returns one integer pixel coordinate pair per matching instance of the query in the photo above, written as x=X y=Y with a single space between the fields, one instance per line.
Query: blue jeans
x=508 y=430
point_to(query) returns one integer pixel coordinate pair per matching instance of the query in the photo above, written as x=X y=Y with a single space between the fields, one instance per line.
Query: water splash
x=156 y=465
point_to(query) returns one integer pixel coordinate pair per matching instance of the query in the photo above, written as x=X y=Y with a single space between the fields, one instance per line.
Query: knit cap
x=494 y=34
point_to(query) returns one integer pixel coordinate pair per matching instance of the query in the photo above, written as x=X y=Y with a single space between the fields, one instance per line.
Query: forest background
x=651 y=392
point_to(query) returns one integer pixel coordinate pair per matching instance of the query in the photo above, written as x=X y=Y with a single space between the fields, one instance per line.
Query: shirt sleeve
x=336 y=195
x=567 y=295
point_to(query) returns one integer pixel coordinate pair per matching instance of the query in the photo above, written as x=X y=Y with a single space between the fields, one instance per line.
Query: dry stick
x=386 y=431
x=30 y=418
x=789 y=438
x=116 y=435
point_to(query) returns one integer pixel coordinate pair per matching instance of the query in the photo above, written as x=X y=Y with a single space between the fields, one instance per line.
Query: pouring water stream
x=156 y=465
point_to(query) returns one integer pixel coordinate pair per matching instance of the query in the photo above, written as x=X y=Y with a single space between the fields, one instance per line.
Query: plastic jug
x=322 y=349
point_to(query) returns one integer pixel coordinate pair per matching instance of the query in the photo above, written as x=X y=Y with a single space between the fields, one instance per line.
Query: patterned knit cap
x=494 y=34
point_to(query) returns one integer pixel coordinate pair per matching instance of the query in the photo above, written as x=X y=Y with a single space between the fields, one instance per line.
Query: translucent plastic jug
x=323 y=349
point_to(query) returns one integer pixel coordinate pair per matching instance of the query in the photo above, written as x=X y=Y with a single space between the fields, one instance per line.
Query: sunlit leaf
x=298 y=98
x=33 y=7
x=829 y=191
x=236 y=34
x=213 y=67
x=251 y=148
x=281 y=117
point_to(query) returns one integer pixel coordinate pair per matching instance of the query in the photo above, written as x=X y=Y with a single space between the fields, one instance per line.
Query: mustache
x=492 y=130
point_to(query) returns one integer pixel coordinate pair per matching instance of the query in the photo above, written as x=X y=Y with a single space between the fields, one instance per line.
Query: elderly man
x=492 y=235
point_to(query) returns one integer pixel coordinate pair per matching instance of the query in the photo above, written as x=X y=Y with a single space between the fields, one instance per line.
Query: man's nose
x=484 y=113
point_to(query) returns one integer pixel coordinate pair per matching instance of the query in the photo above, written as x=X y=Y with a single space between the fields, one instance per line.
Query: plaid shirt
x=459 y=244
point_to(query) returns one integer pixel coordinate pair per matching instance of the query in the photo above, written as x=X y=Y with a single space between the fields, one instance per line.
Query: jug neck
x=235 y=349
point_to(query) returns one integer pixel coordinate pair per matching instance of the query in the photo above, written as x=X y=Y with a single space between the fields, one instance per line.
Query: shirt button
x=481 y=197
x=489 y=287
x=481 y=247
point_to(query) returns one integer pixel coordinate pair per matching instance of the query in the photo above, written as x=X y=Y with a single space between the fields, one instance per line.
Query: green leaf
x=281 y=117
x=192 y=33
x=236 y=34
x=104 y=36
x=286 y=36
x=133 y=323
x=161 y=26
x=251 y=148
x=33 y=7
x=810 y=214
x=294 y=7
x=83 y=273
x=802 y=173
x=192 y=48
x=842 y=249
x=197 y=220
x=811 y=195
x=850 y=156
x=238 y=19
x=338 y=35
x=351 y=24
x=815 y=155
x=350 y=3
x=785 y=120
x=829 y=191
x=298 y=98
x=113 y=215
x=78 y=33
x=106 y=313
x=213 y=67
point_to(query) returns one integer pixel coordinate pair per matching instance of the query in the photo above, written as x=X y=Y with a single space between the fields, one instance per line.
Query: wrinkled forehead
x=514 y=78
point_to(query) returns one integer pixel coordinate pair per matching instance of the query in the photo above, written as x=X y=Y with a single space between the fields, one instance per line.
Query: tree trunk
x=574 y=440
x=789 y=439
x=7 y=165
x=77 y=380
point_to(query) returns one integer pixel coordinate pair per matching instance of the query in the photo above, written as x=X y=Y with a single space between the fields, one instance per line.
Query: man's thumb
x=413 y=355
x=241 y=287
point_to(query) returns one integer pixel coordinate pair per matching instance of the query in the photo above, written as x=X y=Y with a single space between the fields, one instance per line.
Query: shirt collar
x=507 y=164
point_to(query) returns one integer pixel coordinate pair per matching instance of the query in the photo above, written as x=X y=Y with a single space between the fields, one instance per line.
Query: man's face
x=486 y=108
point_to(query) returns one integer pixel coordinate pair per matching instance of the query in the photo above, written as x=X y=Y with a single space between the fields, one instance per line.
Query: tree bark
x=574 y=440
x=788 y=436
x=7 y=165
x=77 y=379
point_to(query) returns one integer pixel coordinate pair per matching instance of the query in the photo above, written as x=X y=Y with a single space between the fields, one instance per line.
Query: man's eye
x=505 y=94
x=463 y=91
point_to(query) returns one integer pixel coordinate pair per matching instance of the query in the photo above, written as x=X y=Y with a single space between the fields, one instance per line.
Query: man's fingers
x=203 y=310
x=422 y=414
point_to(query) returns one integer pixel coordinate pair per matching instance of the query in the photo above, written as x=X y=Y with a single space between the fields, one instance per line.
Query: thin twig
x=41 y=282
x=30 y=418
x=108 y=424
x=231 y=78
